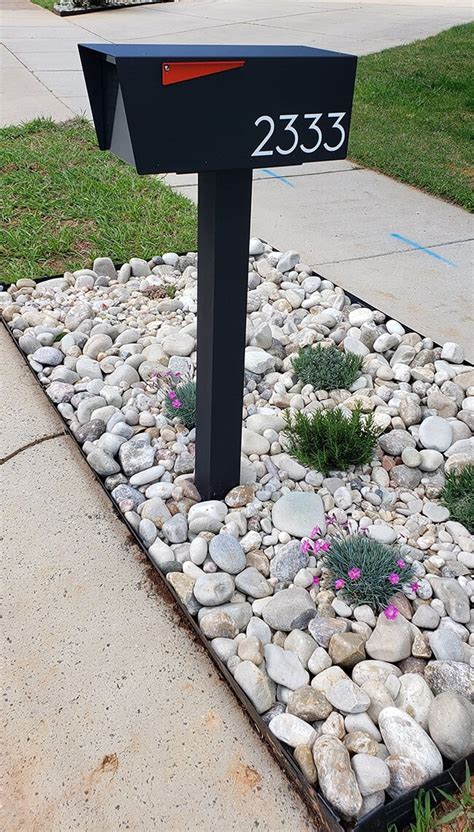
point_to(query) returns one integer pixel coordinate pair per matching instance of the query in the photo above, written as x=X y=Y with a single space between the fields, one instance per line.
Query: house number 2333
x=335 y=134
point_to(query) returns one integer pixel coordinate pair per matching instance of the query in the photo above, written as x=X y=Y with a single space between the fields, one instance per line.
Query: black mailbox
x=219 y=111
x=195 y=108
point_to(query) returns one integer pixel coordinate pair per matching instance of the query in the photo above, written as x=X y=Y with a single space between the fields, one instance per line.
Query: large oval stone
x=336 y=778
x=403 y=736
x=298 y=512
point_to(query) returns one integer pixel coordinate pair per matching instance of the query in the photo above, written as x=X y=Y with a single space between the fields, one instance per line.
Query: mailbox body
x=188 y=109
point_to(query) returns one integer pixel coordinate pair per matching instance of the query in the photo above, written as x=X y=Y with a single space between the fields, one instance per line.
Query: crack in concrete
x=31 y=445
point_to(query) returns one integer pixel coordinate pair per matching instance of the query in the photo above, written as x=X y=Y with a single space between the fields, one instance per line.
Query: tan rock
x=309 y=704
x=336 y=778
x=304 y=757
x=347 y=649
x=357 y=742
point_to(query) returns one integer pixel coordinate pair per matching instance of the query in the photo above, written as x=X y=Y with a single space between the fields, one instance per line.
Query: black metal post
x=224 y=203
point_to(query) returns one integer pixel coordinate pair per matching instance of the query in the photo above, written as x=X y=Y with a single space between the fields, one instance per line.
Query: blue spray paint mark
x=419 y=247
x=277 y=176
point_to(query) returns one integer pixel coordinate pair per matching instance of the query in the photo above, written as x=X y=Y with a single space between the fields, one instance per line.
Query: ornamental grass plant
x=328 y=440
x=458 y=496
x=326 y=368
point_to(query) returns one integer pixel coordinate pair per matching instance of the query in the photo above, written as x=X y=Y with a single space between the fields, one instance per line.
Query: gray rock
x=297 y=512
x=414 y=697
x=179 y=343
x=288 y=261
x=102 y=463
x=449 y=676
x=284 y=667
x=426 y=617
x=283 y=609
x=451 y=725
x=90 y=432
x=254 y=682
x=240 y=613
x=446 y=645
x=302 y=644
x=373 y=774
x=308 y=704
x=48 y=356
x=435 y=433
x=396 y=441
x=29 y=344
x=136 y=455
x=455 y=600
x=405 y=774
x=96 y=344
x=348 y=697
x=403 y=736
x=336 y=778
x=391 y=640
x=292 y=731
x=329 y=677
x=258 y=361
x=227 y=553
x=104 y=266
x=322 y=628
x=401 y=476
x=59 y=391
x=289 y=560
x=123 y=377
x=176 y=529
x=88 y=368
x=252 y=582
x=214 y=589
x=124 y=493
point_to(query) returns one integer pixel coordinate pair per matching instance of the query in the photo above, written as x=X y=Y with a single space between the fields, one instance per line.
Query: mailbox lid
x=192 y=108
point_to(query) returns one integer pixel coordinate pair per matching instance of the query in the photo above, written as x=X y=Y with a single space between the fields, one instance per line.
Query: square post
x=224 y=205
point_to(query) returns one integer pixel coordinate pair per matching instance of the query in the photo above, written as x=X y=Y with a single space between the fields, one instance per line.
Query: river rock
x=218 y=624
x=336 y=778
x=214 y=589
x=304 y=757
x=405 y=774
x=308 y=704
x=395 y=441
x=449 y=676
x=252 y=582
x=372 y=773
x=297 y=512
x=254 y=682
x=455 y=600
x=415 y=697
x=292 y=731
x=322 y=628
x=435 y=433
x=348 y=697
x=374 y=671
x=289 y=609
x=227 y=553
x=102 y=463
x=403 y=736
x=288 y=562
x=451 y=725
x=135 y=455
x=346 y=649
x=284 y=667
x=48 y=356
x=391 y=640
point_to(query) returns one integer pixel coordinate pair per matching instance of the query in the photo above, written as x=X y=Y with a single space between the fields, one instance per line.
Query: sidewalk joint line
x=31 y=445
x=388 y=253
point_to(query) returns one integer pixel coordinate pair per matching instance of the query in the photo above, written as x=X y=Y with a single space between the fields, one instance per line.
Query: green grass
x=64 y=202
x=45 y=4
x=412 y=116
x=458 y=496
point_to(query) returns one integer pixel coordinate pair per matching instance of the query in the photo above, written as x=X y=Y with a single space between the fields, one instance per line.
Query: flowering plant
x=179 y=395
x=363 y=570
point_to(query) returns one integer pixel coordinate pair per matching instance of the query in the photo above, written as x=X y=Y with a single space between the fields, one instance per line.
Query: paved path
x=400 y=249
x=113 y=717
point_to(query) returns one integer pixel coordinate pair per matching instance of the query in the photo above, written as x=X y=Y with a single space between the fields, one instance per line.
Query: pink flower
x=315 y=532
x=176 y=404
x=339 y=583
x=305 y=544
x=324 y=546
x=171 y=395
x=390 y=612
x=414 y=586
x=354 y=573
x=401 y=563
x=394 y=578
x=316 y=580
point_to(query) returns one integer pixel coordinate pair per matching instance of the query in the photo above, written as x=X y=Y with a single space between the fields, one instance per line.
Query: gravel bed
x=371 y=706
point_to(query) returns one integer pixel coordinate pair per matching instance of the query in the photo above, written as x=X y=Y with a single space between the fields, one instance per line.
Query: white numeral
x=258 y=151
x=338 y=117
x=313 y=126
x=292 y=130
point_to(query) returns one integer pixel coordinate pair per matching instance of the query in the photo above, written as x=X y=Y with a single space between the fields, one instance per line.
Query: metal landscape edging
x=398 y=811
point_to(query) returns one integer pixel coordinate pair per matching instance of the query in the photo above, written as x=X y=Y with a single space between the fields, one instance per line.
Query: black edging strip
x=397 y=811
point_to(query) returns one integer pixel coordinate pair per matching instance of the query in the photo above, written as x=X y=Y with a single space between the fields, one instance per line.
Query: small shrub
x=458 y=496
x=328 y=440
x=170 y=291
x=366 y=571
x=326 y=368
x=181 y=401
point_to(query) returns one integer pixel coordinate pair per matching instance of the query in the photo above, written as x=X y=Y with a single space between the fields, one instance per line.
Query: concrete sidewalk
x=114 y=717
